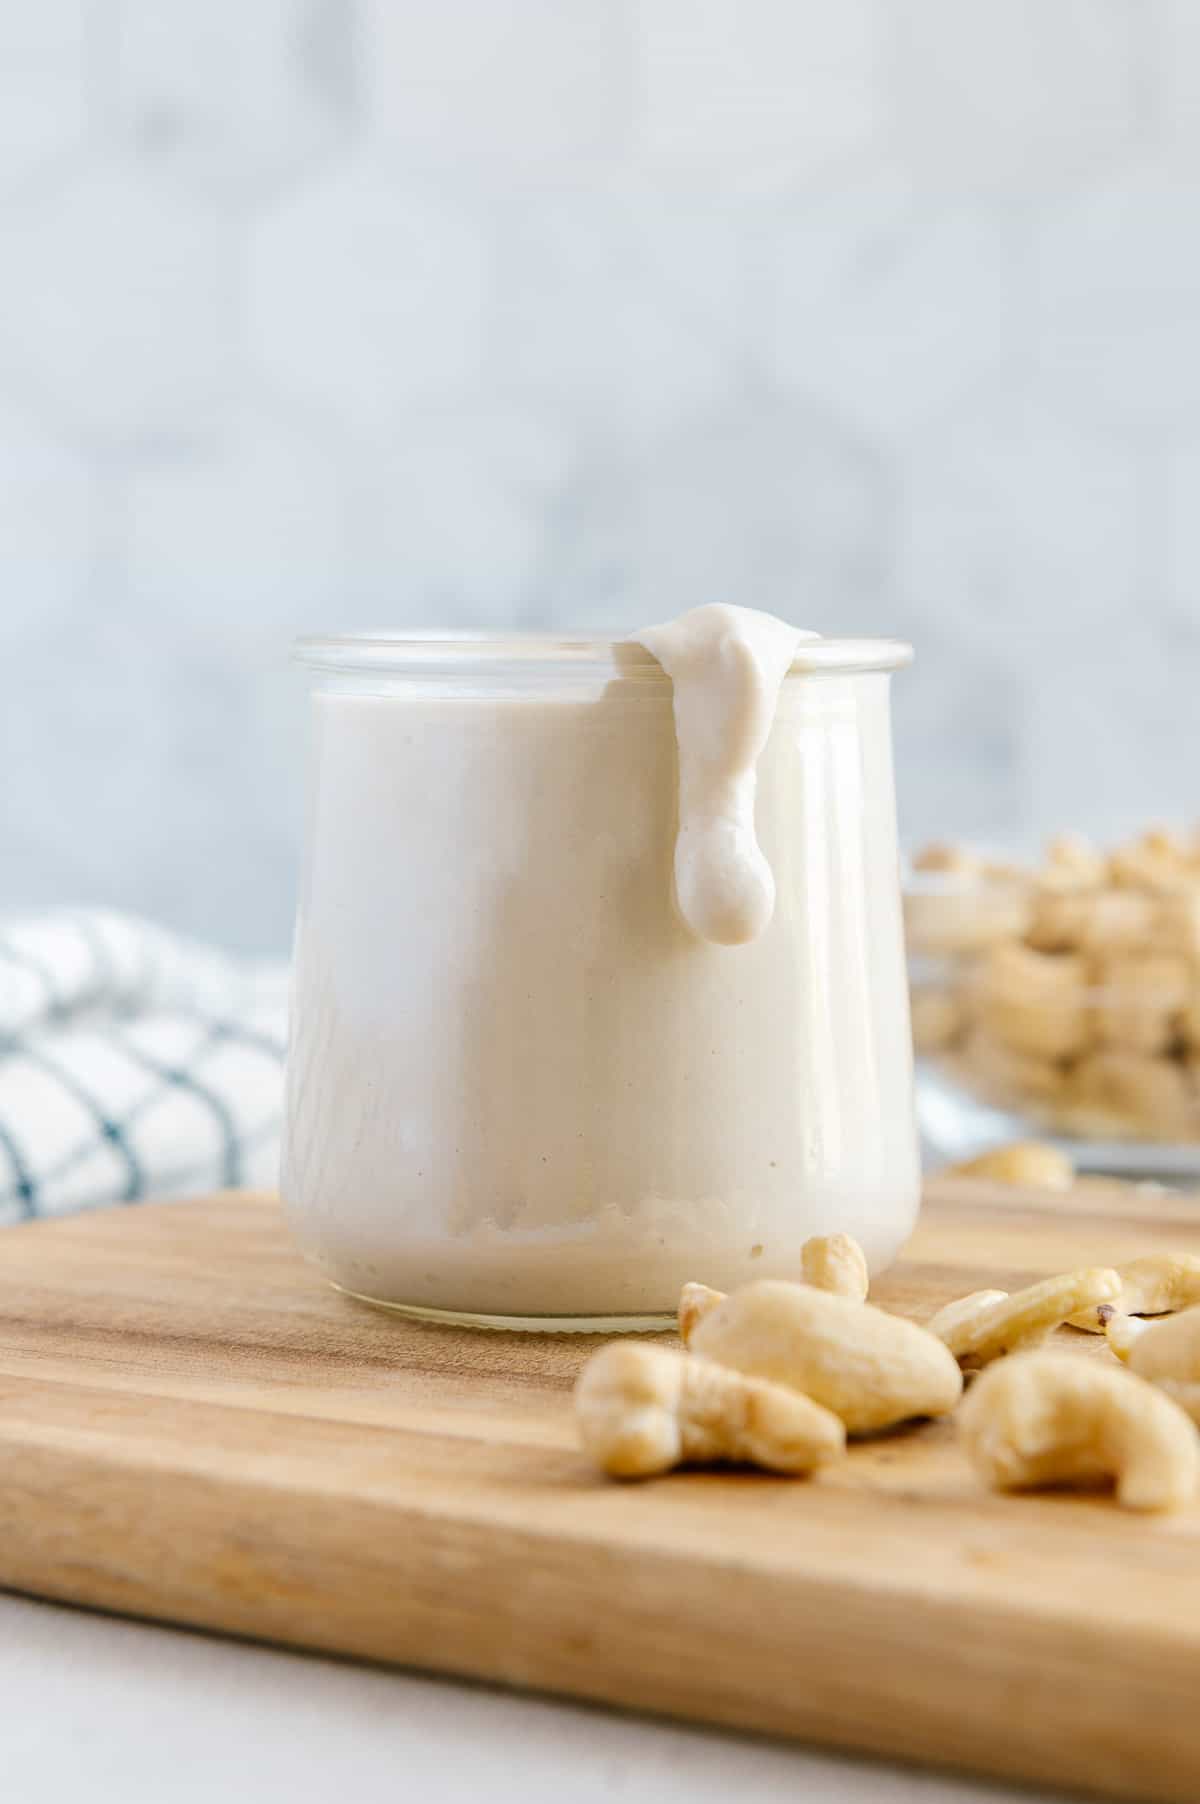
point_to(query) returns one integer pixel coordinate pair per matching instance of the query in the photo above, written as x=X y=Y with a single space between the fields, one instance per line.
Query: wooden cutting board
x=193 y=1427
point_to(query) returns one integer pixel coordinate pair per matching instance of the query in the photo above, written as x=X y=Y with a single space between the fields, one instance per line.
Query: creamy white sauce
x=520 y=1080
x=727 y=666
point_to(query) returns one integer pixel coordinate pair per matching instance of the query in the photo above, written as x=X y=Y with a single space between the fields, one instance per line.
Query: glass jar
x=521 y=1093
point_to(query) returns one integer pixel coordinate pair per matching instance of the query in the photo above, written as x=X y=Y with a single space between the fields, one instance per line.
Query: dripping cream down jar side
x=599 y=979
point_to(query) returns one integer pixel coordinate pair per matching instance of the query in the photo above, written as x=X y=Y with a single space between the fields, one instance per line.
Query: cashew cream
x=599 y=981
x=726 y=665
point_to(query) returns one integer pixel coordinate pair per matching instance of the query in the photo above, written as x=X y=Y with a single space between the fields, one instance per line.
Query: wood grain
x=193 y=1427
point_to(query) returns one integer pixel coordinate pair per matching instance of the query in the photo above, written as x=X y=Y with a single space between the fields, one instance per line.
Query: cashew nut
x=938 y=1017
x=960 y=903
x=1167 y=1353
x=1162 y=841
x=1120 y=920
x=872 y=1369
x=642 y=1410
x=942 y=856
x=1178 y=923
x=1156 y=861
x=959 y=1317
x=1033 y=1002
x=1157 y=1284
x=835 y=1262
x=1062 y=908
x=1068 y=917
x=1030 y=1162
x=1053 y=1419
x=695 y=1300
x=1073 y=855
x=1152 y=1097
x=1141 y=1000
x=1123 y=1331
x=1008 y=1076
x=1008 y=1324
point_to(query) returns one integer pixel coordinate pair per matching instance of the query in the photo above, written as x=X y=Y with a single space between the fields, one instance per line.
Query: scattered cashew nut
x=872 y=1369
x=832 y=1262
x=955 y=1319
x=1155 y=1285
x=1016 y=1323
x=1056 y=1419
x=642 y=1410
x=1168 y=1355
x=1122 y=1331
x=836 y=1263
x=1029 y=1162
x=695 y=1300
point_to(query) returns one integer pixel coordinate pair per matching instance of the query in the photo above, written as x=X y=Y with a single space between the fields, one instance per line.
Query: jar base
x=649 y=1323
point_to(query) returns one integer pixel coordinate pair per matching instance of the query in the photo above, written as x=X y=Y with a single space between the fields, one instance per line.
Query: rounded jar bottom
x=590 y=1277
x=645 y=1323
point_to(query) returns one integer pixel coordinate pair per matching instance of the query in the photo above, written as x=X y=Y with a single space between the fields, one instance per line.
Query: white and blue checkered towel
x=133 y=1064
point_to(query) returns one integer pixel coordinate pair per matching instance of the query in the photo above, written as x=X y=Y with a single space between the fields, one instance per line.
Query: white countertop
x=109 y=1710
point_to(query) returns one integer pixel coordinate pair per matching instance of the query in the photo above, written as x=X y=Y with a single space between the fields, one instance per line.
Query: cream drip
x=727 y=665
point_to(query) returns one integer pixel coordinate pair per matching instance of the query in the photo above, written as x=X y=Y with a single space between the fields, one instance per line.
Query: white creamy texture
x=726 y=665
x=519 y=1083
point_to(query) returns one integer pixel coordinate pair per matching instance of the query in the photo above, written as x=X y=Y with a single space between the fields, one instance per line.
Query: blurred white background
x=882 y=314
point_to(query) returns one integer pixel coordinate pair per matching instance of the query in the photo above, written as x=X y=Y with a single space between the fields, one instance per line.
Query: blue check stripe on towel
x=133 y=1064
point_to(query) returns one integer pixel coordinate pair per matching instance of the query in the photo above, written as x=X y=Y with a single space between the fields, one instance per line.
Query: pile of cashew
x=1070 y=991
x=778 y=1374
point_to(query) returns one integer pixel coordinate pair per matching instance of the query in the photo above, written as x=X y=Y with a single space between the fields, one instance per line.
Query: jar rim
x=410 y=652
